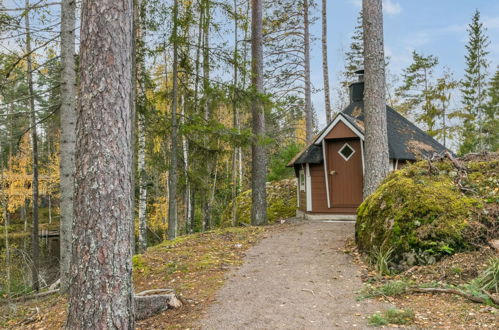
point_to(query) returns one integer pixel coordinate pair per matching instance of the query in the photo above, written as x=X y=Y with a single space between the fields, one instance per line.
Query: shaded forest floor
x=433 y=311
x=300 y=275
x=194 y=266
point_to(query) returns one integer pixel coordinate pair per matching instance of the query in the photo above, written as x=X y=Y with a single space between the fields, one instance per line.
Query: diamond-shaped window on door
x=346 y=151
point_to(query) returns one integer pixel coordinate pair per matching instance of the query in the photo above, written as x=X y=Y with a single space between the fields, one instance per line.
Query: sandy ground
x=294 y=279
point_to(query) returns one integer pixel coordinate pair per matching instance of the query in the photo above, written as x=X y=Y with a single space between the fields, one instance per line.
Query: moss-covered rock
x=281 y=203
x=421 y=215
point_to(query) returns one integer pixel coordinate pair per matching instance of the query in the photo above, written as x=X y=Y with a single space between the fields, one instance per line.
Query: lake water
x=20 y=259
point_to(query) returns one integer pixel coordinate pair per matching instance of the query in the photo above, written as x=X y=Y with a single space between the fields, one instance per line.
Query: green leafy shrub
x=281 y=203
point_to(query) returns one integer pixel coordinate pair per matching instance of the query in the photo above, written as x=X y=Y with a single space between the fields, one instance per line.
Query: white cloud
x=390 y=7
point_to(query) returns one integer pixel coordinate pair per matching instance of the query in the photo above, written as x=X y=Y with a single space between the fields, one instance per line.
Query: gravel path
x=294 y=279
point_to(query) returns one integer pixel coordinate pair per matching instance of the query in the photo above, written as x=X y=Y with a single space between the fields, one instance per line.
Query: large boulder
x=421 y=212
x=281 y=203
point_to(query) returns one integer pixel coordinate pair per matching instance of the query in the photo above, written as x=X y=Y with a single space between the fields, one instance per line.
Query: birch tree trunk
x=141 y=162
x=187 y=193
x=101 y=293
x=258 y=152
x=68 y=134
x=141 y=126
x=376 y=140
x=325 y=65
x=173 y=177
x=35 y=247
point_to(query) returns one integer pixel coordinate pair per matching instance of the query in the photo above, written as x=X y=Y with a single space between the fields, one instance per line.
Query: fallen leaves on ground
x=194 y=266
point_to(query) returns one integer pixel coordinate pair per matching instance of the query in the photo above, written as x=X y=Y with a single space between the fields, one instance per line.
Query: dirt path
x=295 y=279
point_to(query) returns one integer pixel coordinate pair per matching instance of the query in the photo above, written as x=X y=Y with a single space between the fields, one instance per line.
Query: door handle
x=332 y=172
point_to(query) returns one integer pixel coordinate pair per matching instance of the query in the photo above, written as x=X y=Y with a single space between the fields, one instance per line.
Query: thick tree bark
x=101 y=293
x=173 y=177
x=258 y=150
x=68 y=134
x=35 y=247
x=325 y=66
x=376 y=140
x=309 y=119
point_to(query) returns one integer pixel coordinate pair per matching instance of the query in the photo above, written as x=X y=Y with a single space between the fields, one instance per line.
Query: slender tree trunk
x=206 y=204
x=4 y=204
x=258 y=150
x=50 y=208
x=7 y=249
x=35 y=247
x=101 y=292
x=141 y=125
x=309 y=119
x=187 y=193
x=198 y=55
x=173 y=177
x=141 y=162
x=325 y=66
x=68 y=134
x=235 y=120
x=376 y=140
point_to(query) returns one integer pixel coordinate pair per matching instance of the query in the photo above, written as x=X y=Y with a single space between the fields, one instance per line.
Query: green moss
x=281 y=203
x=421 y=216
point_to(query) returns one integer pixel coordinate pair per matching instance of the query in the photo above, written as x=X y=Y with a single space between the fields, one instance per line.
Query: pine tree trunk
x=35 y=247
x=376 y=140
x=258 y=152
x=325 y=66
x=309 y=120
x=101 y=292
x=4 y=203
x=68 y=134
x=173 y=178
x=206 y=204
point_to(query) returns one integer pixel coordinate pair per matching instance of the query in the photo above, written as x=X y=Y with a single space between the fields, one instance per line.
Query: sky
x=436 y=27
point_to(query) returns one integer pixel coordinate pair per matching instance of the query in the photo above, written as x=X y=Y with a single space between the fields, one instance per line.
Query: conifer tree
x=474 y=87
x=491 y=116
x=354 y=57
x=418 y=91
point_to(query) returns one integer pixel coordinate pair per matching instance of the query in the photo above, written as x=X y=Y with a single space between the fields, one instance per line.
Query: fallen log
x=32 y=296
x=470 y=297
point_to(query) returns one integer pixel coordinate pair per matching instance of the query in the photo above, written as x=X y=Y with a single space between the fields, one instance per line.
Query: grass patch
x=488 y=280
x=390 y=288
x=392 y=316
x=380 y=259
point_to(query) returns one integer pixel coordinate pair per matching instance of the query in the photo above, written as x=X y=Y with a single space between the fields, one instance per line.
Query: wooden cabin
x=330 y=171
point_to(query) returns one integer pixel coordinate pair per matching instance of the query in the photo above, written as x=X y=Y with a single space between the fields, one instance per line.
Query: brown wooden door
x=345 y=172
